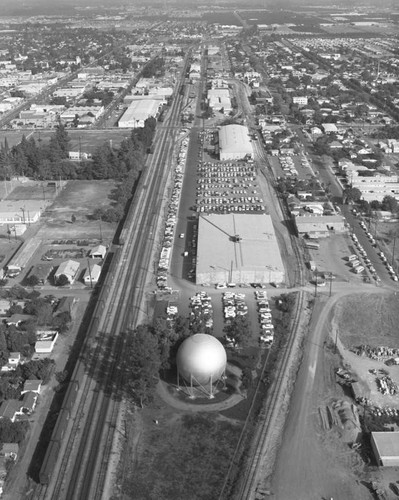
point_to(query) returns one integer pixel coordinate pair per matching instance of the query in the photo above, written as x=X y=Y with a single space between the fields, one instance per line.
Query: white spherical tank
x=201 y=359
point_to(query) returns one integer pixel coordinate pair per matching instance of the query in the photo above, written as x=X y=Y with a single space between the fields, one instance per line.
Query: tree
x=12 y=432
x=239 y=330
x=142 y=364
x=390 y=204
x=351 y=195
x=62 y=280
x=32 y=280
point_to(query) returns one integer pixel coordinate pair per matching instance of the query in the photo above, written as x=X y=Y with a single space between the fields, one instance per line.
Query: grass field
x=368 y=319
x=184 y=457
x=84 y=140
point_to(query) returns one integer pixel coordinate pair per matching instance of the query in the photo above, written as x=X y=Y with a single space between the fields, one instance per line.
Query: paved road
x=304 y=470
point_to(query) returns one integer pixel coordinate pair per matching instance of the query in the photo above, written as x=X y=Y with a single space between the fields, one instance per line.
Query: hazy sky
x=32 y=7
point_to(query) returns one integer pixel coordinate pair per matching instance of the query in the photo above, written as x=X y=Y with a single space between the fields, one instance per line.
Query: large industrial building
x=386 y=448
x=138 y=112
x=238 y=248
x=234 y=143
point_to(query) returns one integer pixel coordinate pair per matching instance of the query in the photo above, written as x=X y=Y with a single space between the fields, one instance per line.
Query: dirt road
x=308 y=467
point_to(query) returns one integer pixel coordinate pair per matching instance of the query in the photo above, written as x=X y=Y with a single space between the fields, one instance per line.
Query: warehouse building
x=385 y=446
x=238 y=248
x=138 y=112
x=234 y=143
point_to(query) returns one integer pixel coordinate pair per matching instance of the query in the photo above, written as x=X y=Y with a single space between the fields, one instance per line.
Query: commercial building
x=17 y=212
x=375 y=187
x=319 y=226
x=220 y=99
x=234 y=143
x=238 y=248
x=385 y=446
x=138 y=112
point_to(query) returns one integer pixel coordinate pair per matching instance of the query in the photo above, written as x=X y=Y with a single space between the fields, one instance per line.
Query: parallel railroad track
x=91 y=437
x=247 y=487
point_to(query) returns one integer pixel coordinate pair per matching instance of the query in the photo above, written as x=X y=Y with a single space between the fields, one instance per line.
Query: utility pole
x=91 y=283
x=331 y=274
x=101 y=232
x=393 y=251
x=23 y=214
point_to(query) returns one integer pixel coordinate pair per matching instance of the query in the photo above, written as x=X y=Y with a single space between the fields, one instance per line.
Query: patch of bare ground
x=368 y=319
x=78 y=200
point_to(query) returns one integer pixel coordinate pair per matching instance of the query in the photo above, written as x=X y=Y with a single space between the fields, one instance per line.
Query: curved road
x=303 y=470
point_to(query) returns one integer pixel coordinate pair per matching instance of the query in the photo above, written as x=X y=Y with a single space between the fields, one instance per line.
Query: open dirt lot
x=78 y=198
x=331 y=467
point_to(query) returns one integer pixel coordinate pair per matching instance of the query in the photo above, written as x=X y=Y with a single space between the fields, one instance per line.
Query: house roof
x=29 y=400
x=8 y=448
x=32 y=386
x=98 y=249
x=68 y=268
x=65 y=305
x=9 y=408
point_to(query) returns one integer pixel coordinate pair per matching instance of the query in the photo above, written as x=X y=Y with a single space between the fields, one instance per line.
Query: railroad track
x=92 y=433
x=246 y=489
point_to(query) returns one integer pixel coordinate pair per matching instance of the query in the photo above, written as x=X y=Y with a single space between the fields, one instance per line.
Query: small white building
x=45 y=343
x=92 y=274
x=98 y=252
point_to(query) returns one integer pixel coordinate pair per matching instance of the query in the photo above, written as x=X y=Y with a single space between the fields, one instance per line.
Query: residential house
x=11 y=408
x=9 y=451
x=29 y=402
x=32 y=386
x=69 y=268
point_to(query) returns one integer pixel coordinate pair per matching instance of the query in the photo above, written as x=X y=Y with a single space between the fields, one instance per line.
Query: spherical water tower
x=201 y=362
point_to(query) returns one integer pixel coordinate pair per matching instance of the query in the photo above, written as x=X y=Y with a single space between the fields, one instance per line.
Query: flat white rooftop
x=254 y=257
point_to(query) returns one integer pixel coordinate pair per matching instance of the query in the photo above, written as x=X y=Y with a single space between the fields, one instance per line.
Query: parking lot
x=298 y=166
x=225 y=187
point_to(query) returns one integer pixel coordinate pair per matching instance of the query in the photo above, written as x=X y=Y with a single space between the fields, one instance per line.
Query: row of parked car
x=228 y=187
x=265 y=318
x=389 y=267
x=234 y=305
x=171 y=218
x=288 y=166
x=201 y=311
x=355 y=263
